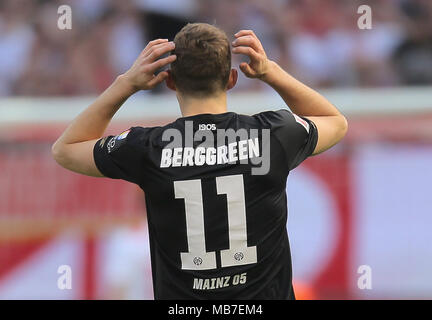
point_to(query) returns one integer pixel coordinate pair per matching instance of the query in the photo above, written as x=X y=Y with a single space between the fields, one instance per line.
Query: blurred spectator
x=16 y=40
x=317 y=41
x=413 y=58
x=127 y=38
x=374 y=48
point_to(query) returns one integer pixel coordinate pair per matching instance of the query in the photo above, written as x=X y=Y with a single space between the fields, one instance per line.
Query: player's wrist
x=270 y=73
x=125 y=85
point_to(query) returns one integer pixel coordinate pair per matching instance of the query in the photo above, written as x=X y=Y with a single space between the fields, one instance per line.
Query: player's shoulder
x=274 y=118
x=155 y=136
x=138 y=136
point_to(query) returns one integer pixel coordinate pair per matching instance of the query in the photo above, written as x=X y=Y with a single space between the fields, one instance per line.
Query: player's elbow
x=58 y=152
x=340 y=129
x=343 y=126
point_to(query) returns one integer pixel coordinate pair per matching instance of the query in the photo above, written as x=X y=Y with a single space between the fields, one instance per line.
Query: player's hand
x=141 y=76
x=247 y=43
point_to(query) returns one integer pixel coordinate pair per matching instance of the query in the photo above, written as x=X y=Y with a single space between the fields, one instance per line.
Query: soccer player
x=214 y=180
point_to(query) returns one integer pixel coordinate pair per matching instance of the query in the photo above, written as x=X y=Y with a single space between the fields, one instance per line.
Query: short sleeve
x=121 y=156
x=297 y=135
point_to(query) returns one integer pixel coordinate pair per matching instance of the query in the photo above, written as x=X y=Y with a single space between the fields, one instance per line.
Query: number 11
x=197 y=258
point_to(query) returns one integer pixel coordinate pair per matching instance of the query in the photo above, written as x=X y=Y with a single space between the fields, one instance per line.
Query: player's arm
x=74 y=149
x=302 y=100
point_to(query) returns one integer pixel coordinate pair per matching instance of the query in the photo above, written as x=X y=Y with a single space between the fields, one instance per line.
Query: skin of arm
x=74 y=146
x=302 y=100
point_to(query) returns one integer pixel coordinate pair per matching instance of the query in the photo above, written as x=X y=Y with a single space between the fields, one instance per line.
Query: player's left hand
x=141 y=75
x=247 y=43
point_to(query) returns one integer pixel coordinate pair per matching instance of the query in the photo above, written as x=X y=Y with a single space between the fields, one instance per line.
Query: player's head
x=203 y=64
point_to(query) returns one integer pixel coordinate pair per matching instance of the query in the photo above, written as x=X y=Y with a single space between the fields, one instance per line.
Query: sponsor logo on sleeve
x=102 y=142
x=111 y=143
x=116 y=141
x=123 y=135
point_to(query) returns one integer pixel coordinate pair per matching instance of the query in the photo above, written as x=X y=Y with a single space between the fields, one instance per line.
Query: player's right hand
x=247 y=43
x=141 y=75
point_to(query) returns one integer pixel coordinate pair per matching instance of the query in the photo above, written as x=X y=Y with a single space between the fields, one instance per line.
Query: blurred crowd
x=317 y=41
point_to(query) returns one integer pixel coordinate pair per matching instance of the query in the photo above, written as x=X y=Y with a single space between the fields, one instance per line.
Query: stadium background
x=366 y=202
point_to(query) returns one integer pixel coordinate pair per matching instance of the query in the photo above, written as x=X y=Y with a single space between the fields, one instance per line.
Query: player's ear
x=170 y=81
x=232 y=80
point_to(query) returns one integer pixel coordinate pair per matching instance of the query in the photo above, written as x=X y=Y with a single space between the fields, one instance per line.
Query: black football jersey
x=215 y=192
